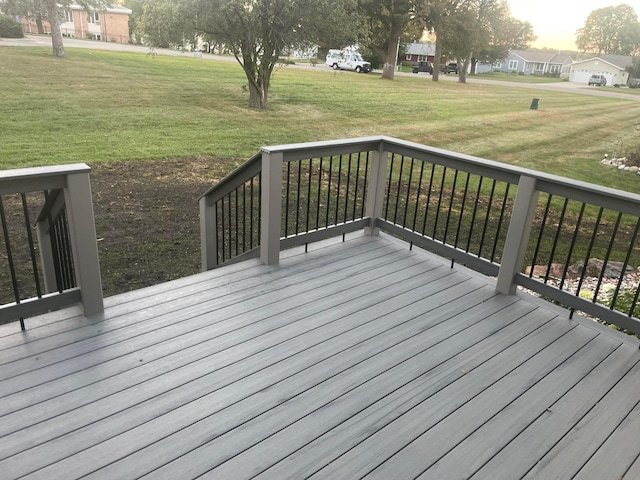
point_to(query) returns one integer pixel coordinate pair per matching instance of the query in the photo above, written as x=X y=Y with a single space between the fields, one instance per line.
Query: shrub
x=633 y=159
x=9 y=28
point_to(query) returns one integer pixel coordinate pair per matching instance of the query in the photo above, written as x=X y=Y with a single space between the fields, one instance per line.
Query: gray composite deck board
x=356 y=359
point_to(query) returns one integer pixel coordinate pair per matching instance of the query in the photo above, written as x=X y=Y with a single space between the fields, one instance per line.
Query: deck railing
x=48 y=250
x=526 y=228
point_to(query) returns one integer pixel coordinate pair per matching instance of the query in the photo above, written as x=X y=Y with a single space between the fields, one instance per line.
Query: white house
x=611 y=66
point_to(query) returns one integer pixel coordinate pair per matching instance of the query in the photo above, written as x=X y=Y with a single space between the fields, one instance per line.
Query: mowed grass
x=96 y=106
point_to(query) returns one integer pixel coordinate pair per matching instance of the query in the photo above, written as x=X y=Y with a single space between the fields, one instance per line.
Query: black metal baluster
x=590 y=248
x=309 y=194
x=224 y=230
x=32 y=248
x=319 y=195
x=415 y=212
x=574 y=240
x=462 y=206
x=398 y=188
x=251 y=214
x=328 y=206
x=608 y=255
x=428 y=204
x=534 y=261
x=453 y=194
x=297 y=229
x=286 y=204
x=346 y=196
x=486 y=218
x=335 y=221
x=473 y=216
x=556 y=240
x=244 y=217
x=12 y=270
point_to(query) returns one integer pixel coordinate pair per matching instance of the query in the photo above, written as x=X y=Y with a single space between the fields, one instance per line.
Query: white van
x=353 y=61
x=333 y=57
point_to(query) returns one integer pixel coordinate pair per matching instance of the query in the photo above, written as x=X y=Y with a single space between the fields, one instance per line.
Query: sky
x=555 y=21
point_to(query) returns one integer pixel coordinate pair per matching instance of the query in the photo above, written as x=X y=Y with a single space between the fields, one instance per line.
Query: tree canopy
x=610 y=30
x=475 y=30
x=255 y=31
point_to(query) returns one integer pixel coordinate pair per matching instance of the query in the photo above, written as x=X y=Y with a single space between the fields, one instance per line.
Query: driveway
x=565 y=87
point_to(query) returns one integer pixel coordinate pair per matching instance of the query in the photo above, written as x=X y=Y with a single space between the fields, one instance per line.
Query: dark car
x=599 y=80
x=423 y=67
x=634 y=83
x=452 y=68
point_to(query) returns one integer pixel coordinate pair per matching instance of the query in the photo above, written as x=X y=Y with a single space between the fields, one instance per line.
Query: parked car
x=452 y=68
x=634 y=83
x=333 y=57
x=599 y=80
x=423 y=67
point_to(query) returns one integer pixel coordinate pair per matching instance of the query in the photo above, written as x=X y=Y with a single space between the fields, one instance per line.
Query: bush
x=9 y=28
x=633 y=159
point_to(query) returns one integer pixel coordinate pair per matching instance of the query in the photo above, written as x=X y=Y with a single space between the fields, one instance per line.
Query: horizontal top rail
x=22 y=180
x=229 y=183
x=604 y=196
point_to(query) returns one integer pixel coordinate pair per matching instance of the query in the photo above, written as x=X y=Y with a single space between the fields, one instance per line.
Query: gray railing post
x=518 y=235
x=208 y=235
x=83 y=241
x=271 y=215
x=375 y=191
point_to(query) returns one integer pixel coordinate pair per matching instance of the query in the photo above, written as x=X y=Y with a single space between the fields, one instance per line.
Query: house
x=611 y=66
x=418 y=52
x=110 y=24
x=531 y=63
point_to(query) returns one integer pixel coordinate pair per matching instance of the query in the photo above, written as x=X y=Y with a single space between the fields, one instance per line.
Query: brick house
x=418 y=52
x=108 y=24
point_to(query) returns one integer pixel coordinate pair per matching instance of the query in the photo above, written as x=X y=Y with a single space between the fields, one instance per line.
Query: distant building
x=109 y=24
x=613 y=67
x=418 y=52
x=531 y=63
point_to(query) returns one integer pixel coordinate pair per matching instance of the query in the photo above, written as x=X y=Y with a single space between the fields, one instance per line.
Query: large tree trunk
x=257 y=97
x=435 y=76
x=39 y=25
x=391 y=59
x=463 y=66
x=56 y=33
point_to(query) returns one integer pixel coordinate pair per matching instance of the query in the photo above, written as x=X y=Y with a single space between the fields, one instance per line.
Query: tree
x=634 y=68
x=256 y=31
x=474 y=30
x=384 y=23
x=610 y=30
x=50 y=10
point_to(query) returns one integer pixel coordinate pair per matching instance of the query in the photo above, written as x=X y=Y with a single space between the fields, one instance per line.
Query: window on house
x=68 y=16
x=513 y=64
x=554 y=68
x=422 y=58
x=94 y=17
x=408 y=57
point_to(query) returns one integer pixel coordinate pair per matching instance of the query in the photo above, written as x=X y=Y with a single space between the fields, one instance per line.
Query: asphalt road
x=566 y=87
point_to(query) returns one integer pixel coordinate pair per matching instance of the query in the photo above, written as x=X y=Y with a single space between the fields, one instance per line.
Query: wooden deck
x=357 y=359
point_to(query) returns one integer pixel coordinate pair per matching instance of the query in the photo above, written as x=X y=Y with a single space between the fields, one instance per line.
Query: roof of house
x=542 y=57
x=420 y=48
x=618 y=61
x=108 y=8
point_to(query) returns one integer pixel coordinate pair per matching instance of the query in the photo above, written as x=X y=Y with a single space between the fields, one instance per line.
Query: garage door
x=581 y=77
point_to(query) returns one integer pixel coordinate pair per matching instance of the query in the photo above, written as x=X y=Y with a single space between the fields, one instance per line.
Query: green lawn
x=95 y=106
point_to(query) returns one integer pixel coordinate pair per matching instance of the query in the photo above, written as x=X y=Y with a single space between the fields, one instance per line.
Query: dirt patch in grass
x=147 y=218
